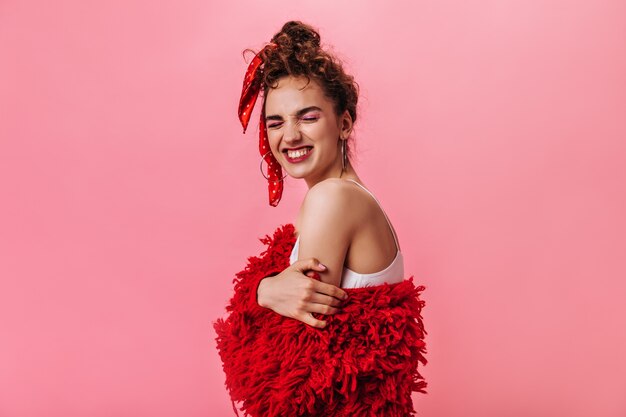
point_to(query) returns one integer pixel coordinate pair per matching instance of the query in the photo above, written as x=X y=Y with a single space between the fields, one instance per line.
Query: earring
x=261 y=166
x=343 y=155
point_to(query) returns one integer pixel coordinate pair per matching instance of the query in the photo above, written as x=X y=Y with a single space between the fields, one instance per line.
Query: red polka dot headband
x=249 y=93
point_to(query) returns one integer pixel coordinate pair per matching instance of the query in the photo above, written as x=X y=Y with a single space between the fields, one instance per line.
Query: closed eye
x=306 y=119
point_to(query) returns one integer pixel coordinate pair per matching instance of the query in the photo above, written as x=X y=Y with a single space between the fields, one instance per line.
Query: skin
x=338 y=223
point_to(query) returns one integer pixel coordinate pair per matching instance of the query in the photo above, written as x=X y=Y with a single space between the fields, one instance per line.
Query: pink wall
x=493 y=133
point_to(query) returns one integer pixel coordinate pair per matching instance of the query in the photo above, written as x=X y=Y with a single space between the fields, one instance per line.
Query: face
x=303 y=129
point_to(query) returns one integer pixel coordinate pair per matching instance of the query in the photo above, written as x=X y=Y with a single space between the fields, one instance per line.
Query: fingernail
x=345 y=297
x=322 y=265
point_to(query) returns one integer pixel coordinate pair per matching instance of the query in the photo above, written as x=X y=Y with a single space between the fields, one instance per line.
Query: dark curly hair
x=299 y=54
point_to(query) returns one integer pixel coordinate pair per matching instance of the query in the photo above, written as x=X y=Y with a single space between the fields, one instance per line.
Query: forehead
x=291 y=95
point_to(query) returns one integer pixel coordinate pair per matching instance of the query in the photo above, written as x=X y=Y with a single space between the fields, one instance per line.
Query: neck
x=335 y=172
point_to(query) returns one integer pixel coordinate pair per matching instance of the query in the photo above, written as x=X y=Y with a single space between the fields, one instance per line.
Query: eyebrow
x=298 y=113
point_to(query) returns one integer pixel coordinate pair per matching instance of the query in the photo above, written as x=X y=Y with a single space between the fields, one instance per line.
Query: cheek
x=321 y=131
x=273 y=145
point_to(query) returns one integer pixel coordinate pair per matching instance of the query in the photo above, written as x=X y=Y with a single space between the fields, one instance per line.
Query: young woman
x=340 y=223
x=362 y=359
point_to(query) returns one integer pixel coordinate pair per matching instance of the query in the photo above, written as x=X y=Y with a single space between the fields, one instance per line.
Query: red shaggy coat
x=363 y=363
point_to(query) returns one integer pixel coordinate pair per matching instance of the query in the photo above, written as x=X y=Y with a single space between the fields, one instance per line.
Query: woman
x=366 y=361
x=339 y=223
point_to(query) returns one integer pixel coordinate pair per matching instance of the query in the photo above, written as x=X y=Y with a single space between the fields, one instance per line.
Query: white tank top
x=392 y=274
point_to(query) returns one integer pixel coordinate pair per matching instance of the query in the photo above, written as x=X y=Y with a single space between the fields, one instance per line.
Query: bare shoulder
x=330 y=190
x=333 y=200
x=335 y=195
x=327 y=226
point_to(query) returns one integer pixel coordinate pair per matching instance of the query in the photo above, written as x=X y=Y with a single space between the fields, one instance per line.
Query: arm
x=326 y=228
x=293 y=294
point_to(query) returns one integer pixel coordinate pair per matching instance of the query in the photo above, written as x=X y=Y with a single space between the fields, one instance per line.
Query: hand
x=296 y=294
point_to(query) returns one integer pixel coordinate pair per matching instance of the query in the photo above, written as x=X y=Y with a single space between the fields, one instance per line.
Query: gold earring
x=261 y=166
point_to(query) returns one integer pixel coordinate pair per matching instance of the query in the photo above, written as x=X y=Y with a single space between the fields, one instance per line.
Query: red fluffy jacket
x=363 y=363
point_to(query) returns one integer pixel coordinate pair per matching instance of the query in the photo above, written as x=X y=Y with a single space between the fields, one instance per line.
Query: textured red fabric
x=363 y=363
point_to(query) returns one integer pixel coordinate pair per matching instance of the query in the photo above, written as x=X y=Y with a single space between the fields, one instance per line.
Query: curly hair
x=299 y=54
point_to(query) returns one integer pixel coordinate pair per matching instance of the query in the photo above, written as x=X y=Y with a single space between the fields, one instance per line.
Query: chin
x=296 y=175
x=297 y=171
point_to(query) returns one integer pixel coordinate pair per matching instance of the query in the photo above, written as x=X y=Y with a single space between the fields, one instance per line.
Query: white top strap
x=395 y=238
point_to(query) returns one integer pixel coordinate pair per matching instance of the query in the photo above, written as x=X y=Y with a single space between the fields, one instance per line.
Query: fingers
x=322 y=309
x=319 y=286
x=319 y=298
x=330 y=290
x=308 y=318
x=317 y=308
x=309 y=263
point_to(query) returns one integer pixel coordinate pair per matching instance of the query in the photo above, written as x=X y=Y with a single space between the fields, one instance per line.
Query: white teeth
x=298 y=153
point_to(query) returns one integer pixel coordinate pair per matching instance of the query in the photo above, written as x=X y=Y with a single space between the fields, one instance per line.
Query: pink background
x=493 y=133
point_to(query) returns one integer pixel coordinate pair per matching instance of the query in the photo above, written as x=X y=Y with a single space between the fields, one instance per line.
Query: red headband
x=249 y=93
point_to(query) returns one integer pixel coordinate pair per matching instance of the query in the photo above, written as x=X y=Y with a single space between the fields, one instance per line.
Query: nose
x=292 y=132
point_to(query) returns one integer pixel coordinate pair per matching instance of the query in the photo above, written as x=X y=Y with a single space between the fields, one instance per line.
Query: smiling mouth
x=298 y=153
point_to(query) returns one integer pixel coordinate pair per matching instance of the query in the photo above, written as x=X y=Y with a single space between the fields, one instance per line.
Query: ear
x=345 y=124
